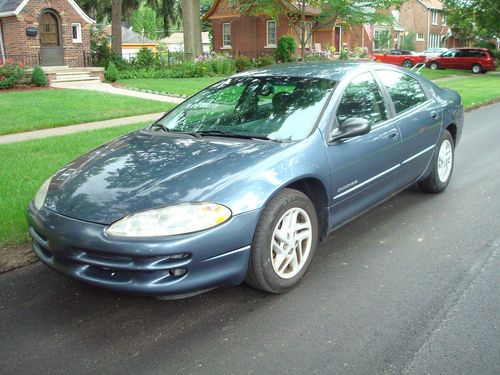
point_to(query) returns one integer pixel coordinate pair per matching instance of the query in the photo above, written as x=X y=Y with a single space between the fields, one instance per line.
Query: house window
x=226 y=35
x=271 y=33
x=76 y=30
x=434 y=41
x=443 y=20
x=420 y=37
x=434 y=17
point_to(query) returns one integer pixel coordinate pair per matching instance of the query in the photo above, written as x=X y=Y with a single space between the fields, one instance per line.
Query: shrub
x=360 y=52
x=408 y=41
x=10 y=74
x=242 y=63
x=111 y=73
x=286 y=48
x=38 y=77
x=344 y=54
x=265 y=61
x=145 y=58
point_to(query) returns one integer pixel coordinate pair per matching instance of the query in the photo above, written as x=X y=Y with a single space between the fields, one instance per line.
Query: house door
x=51 y=50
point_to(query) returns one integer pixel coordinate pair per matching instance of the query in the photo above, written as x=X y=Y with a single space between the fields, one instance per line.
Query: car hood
x=143 y=170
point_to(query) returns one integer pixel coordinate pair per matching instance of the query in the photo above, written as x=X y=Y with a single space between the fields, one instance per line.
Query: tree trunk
x=116 y=27
x=192 y=28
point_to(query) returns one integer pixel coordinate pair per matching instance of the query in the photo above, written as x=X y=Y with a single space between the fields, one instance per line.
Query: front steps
x=59 y=74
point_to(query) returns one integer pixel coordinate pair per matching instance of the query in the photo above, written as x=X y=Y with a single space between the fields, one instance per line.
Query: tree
x=191 y=27
x=474 y=17
x=147 y=22
x=304 y=22
x=116 y=26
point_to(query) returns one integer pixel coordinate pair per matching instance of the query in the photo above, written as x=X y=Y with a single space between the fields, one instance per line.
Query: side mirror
x=351 y=128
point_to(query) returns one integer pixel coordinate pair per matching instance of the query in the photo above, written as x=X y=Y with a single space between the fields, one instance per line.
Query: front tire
x=284 y=242
x=434 y=66
x=442 y=166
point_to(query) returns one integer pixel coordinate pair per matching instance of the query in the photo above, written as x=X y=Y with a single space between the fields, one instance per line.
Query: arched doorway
x=51 y=49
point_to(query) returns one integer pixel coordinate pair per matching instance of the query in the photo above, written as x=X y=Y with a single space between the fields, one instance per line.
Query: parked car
x=479 y=60
x=241 y=181
x=398 y=57
x=434 y=52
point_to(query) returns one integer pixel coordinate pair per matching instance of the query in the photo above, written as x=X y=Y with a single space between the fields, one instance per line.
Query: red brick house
x=45 y=32
x=426 y=19
x=254 y=36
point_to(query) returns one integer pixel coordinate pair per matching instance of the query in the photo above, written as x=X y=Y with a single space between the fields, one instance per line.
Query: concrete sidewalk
x=62 y=130
x=107 y=88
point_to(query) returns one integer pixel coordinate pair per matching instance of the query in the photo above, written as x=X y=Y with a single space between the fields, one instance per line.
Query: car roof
x=332 y=70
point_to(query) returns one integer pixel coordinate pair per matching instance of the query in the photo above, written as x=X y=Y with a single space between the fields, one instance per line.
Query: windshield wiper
x=224 y=133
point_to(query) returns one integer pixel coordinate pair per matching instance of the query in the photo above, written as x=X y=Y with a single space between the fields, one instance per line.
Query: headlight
x=41 y=194
x=171 y=220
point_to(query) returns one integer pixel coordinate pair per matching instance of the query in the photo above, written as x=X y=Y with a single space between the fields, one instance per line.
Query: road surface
x=412 y=287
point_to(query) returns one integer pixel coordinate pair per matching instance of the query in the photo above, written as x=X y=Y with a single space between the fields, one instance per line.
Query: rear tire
x=434 y=65
x=407 y=64
x=476 y=68
x=284 y=243
x=442 y=165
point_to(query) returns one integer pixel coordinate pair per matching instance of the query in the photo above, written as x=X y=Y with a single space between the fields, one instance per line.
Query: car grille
x=105 y=267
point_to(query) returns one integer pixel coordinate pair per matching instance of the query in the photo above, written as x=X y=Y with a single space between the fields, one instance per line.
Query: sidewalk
x=62 y=130
x=107 y=88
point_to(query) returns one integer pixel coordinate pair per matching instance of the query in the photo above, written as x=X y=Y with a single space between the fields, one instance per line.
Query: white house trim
x=2 y=50
x=71 y=2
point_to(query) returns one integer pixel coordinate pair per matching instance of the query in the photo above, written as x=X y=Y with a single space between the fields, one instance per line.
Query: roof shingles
x=9 y=5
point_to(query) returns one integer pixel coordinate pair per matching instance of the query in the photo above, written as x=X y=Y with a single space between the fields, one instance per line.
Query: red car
x=399 y=57
x=479 y=60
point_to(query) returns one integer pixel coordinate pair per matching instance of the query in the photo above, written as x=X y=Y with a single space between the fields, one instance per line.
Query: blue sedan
x=240 y=182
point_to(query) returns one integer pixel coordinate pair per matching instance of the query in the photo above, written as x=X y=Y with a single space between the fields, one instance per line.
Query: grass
x=26 y=165
x=443 y=73
x=40 y=109
x=176 y=86
x=476 y=90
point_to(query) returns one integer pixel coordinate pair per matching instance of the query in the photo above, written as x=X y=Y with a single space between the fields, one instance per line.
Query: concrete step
x=71 y=72
x=75 y=79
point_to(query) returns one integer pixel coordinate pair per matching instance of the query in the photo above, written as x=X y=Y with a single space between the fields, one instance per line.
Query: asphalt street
x=412 y=287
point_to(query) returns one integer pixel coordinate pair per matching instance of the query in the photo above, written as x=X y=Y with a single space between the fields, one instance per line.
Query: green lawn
x=176 y=86
x=443 y=73
x=40 y=109
x=26 y=165
x=475 y=90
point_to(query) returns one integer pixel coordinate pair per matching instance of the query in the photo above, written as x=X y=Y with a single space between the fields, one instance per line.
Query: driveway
x=412 y=287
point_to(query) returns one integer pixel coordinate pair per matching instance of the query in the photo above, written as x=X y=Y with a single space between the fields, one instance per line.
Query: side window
x=362 y=99
x=405 y=91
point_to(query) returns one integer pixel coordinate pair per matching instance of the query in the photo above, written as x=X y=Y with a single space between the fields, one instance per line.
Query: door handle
x=434 y=114
x=393 y=134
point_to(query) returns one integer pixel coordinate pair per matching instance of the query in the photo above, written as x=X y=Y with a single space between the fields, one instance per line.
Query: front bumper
x=167 y=266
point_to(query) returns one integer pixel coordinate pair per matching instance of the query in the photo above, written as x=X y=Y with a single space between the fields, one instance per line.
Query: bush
x=360 y=52
x=242 y=63
x=10 y=74
x=38 y=77
x=265 y=60
x=344 y=54
x=286 y=48
x=145 y=58
x=408 y=41
x=111 y=73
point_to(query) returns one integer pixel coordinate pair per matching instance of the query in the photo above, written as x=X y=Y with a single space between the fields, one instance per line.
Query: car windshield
x=276 y=108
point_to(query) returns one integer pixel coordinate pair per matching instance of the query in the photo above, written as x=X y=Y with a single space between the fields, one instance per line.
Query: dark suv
x=479 y=60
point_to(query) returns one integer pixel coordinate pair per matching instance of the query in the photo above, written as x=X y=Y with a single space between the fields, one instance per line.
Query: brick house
x=45 y=32
x=254 y=36
x=426 y=19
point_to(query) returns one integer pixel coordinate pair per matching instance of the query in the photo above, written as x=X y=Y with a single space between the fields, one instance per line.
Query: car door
x=419 y=119
x=363 y=168
x=393 y=57
x=448 y=59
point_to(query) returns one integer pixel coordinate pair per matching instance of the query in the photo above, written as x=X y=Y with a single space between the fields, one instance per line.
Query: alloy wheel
x=291 y=243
